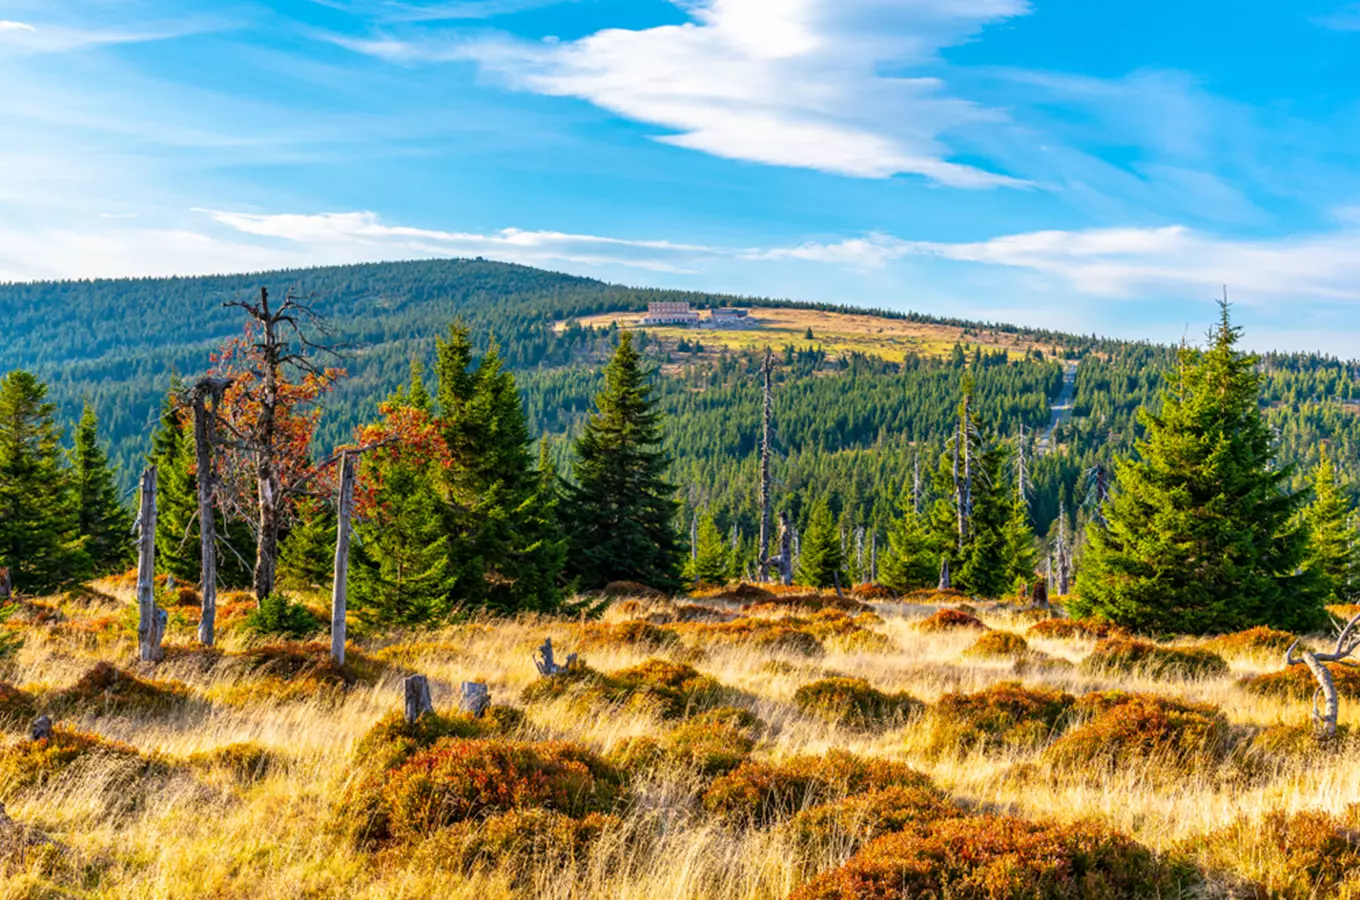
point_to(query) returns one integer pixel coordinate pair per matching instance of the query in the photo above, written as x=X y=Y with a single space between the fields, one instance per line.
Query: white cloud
x=6 y=25
x=1347 y=18
x=797 y=83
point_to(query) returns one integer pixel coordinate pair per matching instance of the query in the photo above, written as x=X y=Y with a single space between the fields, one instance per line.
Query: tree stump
x=476 y=699
x=417 y=698
x=1039 y=595
x=547 y=666
x=41 y=729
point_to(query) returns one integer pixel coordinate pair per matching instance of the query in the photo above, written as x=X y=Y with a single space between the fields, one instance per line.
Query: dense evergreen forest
x=848 y=430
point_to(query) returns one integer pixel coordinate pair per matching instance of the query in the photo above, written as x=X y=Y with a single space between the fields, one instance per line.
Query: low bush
x=1297 y=683
x=515 y=843
x=759 y=792
x=847 y=823
x=997 y=858
x=108 y=690
x=244 y=762
x=1124 y=656
x=1065 y=629
x=670 y=689
x=853 y=702
x=714 y=742
x=783 y=635
x=1254 y=642
x=949 y=620
x=1298 y=856
x=28 y=763
x=1007 y=714
x=635 y=634
x=998 y=645
x=1145 y=728
x=15 y=705
x=393 y=740
x=863 y=641
x=289 y=671
x=632 y=589
x=456 y=779
x=1298 y=742
x=278 y=616
x=934 y=597
x=873 y=592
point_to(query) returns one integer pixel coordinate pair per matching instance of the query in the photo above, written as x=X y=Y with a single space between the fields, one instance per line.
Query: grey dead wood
x=547 y=664
x=417 y=697
x=475 y=700
x=151 y=621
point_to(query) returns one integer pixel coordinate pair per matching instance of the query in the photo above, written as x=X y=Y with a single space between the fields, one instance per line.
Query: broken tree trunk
x=944 y=573
x=785 y=549
x=41 y=729
x=151 y=621
x=476 y=699
x=547 y=666
x=340 y=585
x=417 y=697
x=763 y=551
x=207 y=526
x=1346 y=644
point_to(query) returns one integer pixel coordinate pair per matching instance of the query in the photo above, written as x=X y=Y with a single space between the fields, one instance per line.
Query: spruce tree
x=820 y=560
x=621 y=510
x=1202 y=533
x=1334 y=540
x=713 y=556
x=105 y=523
x=986 y=568
x=307 y=553
x=1021 y=554
x=39 y=530
x=912 y=558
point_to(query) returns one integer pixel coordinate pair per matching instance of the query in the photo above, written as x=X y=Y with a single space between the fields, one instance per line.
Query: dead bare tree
x=205 y=390
x=340 y=583
x=547 y=666
x=1347 y=642
x=151 y=620
x=766 y=449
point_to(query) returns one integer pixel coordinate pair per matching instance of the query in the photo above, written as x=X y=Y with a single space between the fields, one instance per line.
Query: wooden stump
x=41 y=729
x=417 y=698
x=475 y=700
x=547 y=666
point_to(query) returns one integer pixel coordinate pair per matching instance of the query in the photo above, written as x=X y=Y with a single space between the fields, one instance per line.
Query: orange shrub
x=26 y=763
x=863 y=641
x=853 y=820
x=635 y=634
x=1060 y=629
x=1297 y=856
x=1297 y=683
x=869 y=591
x=934 y=597
x=996 y=858
x=998 y=645
x=1143 y=728
x=762 y=792
x=853 y=701
x=1259 y=641
x=393 y=740
x=668 y=688
x=949 y=620
x=108 y=690
x=15 y=705
x=1125 y=656
x=457 y=779
x=714 y=742
x=768 y=635
x=1007 y=714
x=515 y=843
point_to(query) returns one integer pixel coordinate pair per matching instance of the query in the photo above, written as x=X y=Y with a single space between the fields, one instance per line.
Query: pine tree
x=1021 y=554
x=912 y=558
x=1334 y=540
x=712 y=556
x=986 y=566
x=1202 y=534
x=104 y=522
x=820 y=561
x=621 y=510
x=307 y=553
x=401 y=565
x=39 y=529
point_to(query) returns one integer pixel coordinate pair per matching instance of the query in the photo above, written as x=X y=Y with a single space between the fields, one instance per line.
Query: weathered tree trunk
x=766 y=448
x=267 y=548
x=916 y=483
x=1039 y=596
x=340 y=586
x=547 y=665
x=41 y=729
x=944 y=573
x=207 y=525
x=150 y=620
x=417 y=697
x=873 y=557
x=476 y=699
x=785 y=549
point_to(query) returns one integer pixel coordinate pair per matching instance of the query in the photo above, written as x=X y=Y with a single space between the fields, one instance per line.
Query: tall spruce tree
x=621 y=510
x=712 y=555
x=1202 y=533
x=39 y=530
x=307 y=552
x=912 y=557
x=986 y=568
x=105 y=523
x=1334 y=540
x=821 y=561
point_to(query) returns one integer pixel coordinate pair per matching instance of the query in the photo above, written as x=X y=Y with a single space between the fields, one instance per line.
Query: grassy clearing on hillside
x=837 y=333
x=702 y=753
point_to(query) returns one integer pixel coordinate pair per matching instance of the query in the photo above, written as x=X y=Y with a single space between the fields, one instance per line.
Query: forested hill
x=850 y=425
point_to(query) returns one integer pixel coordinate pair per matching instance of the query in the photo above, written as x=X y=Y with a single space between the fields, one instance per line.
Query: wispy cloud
x=790 y=83
x=438 y=11
x=1347 y=18
x=6 y=25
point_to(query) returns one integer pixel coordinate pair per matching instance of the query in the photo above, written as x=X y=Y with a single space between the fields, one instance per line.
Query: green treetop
x=104 y=522
x=1202 y=534
x=820 y=559
x=712 y=555
x=1334 y=548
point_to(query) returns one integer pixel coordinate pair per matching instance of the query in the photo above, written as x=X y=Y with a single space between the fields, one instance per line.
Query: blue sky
x=1096 y=167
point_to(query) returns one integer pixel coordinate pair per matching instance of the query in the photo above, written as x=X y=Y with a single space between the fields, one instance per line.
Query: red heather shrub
x=1129 y=728
x=996 y=858
x=1298 y=856
x=1297 y=683
x=853 y=702
x=998 y=645
x=1125 y=656
x=1006 y=714
x=950 y=620
x=1060 y=629
x=1259 y=641
x=393 y=740
x=759 y=792
x=458 y=779
x=873 y=592
x=852 y=821
x=769 y=635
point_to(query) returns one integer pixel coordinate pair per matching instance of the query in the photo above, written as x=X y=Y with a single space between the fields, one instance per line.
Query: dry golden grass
x=230 y=788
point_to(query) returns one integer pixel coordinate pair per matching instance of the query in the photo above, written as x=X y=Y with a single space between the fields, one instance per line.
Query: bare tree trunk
x=1326 y=721
x=475 y=700
x=944 y=573
x=785 y=549
x=340 y=585
x=916 y=483
x=150 y=620
x=873 y=556
x=765 y=450
x=417 y=698
x=207 y=526
x=267 y=548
